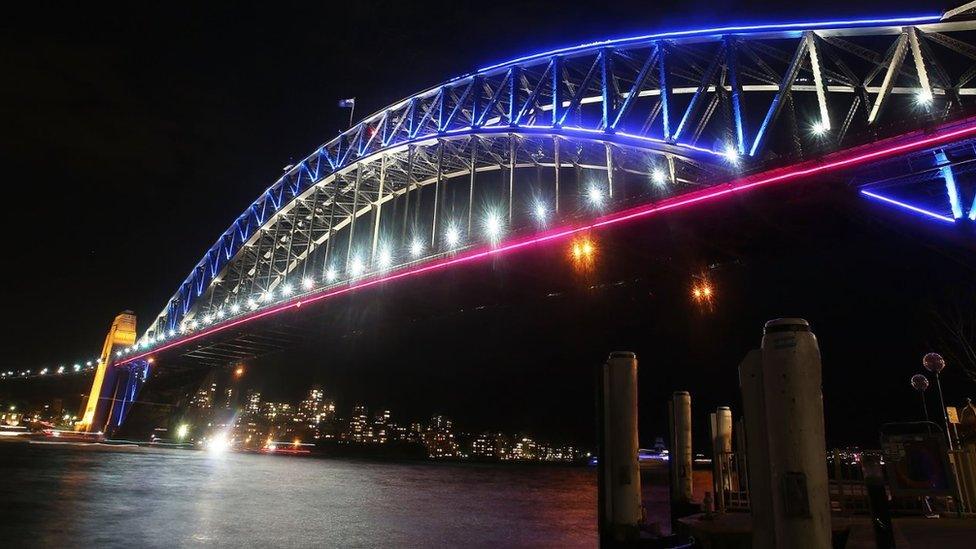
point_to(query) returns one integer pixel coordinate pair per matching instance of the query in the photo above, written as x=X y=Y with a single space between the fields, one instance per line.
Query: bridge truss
x=567 y=135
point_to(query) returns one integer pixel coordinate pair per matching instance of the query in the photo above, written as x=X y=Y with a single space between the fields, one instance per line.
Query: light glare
x=731 y=154
x=452 y=236
x=385 y=258
x=540 y=211
x=658 y=177
x=595 y=195
x=493 y=226
x=356 y=266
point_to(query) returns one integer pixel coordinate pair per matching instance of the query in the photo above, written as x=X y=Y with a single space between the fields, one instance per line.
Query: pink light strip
x=842 y=159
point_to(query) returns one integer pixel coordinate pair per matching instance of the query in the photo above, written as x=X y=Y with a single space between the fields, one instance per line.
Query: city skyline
x=256 y=423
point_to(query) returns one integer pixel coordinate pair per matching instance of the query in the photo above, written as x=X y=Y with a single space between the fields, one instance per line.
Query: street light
x=934 y=363
x=920 y=383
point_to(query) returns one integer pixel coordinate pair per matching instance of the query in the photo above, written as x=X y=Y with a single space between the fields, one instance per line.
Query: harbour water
x=64 y=495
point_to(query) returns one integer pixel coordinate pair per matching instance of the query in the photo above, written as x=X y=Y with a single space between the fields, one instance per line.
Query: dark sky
x=133 y=135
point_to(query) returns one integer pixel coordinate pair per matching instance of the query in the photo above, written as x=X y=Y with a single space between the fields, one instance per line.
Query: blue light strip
x=972 y=211
x=732 y=29
x=916 y=209
x=950 y=180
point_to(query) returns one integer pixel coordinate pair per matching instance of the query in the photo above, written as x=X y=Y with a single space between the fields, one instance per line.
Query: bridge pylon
x=100 y=407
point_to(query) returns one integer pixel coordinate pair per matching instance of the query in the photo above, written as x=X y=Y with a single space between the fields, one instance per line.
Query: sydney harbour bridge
x=557 y=144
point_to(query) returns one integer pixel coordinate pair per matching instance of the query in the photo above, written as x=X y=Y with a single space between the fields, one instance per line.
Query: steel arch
x=699 y=103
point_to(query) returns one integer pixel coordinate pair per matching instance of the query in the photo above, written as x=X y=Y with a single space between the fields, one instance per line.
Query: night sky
x=132 y=137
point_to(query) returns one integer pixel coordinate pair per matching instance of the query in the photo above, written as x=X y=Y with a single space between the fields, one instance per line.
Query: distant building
x=381 y=425
x=359 y=428
x=277 y=412
x=204 y=397
x=315 y=409
x=439 y=439
x=488 y=446
x=525 y=449
x=252 y=406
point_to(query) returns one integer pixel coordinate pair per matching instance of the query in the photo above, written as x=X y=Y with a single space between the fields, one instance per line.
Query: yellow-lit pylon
x=122 y=334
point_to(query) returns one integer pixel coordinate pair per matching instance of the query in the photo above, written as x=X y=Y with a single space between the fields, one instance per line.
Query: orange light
x=239 y=371
x=298 y=441
x=582 y=248
x=702 y=292
x=151 y=360
x=583 y=252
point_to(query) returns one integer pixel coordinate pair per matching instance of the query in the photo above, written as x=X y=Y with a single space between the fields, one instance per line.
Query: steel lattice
x=638 y=119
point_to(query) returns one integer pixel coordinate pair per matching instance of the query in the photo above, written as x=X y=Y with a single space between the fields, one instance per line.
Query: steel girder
x=693 y=105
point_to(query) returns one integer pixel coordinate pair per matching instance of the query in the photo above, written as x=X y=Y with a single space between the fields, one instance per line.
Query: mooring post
x=620 y=484
x=721 y=424
x=680 y=459
x=783 y=405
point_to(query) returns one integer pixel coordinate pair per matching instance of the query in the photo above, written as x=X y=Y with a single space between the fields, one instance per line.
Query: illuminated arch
x=649 y=117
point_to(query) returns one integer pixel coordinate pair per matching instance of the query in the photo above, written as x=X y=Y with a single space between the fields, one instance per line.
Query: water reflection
x=67 y=496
